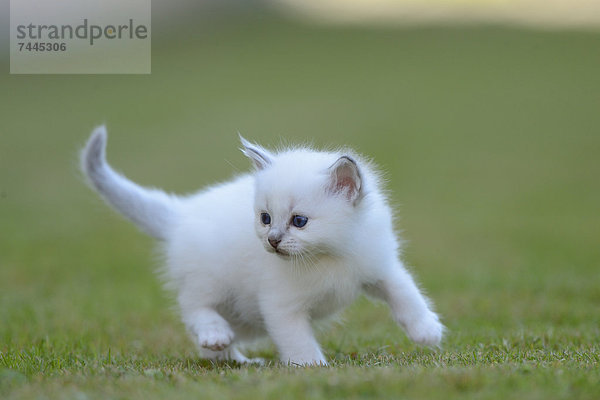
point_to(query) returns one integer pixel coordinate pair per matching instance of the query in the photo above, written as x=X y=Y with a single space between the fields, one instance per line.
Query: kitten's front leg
x=211 y=331
x=409 y=307
x=293 y=335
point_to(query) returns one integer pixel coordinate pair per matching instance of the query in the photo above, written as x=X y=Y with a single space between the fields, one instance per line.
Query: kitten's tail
x=151 y=210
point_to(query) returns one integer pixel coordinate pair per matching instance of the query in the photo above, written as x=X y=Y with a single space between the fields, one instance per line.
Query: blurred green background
x=488 y=136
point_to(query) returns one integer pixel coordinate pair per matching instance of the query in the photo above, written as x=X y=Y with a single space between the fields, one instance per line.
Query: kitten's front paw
x=215 y=338
x=427 y=330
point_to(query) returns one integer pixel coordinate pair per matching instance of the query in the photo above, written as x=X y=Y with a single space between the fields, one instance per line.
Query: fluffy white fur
x=233 y=285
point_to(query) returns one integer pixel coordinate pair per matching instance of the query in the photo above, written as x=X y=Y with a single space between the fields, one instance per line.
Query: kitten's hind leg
x=409 y=307
x=230 y=354
x=236 y=355
x=210 y=330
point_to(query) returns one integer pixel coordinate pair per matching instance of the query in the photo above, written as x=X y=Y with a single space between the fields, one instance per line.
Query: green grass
x=489 y=138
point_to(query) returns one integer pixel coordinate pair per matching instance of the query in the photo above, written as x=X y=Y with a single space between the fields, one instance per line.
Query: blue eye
x=265 y=219
x=299 y=221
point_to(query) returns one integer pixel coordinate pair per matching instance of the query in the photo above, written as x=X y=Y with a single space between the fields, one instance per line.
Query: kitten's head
x=306 y=202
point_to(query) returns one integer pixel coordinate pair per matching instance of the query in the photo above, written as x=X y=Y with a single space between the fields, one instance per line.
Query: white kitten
x=271 y=251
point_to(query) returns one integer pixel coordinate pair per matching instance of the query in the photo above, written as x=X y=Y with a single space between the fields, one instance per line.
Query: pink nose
x=274 y=242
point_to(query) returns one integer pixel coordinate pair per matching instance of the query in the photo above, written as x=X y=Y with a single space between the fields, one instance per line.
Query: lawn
x=490 y=141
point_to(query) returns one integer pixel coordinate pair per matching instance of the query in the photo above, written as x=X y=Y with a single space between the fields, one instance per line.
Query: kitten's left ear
x=344 y=178
x=259 y=156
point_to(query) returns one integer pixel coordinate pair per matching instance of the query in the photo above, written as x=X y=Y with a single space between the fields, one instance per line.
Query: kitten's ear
x=259 y=156
x=344 y=178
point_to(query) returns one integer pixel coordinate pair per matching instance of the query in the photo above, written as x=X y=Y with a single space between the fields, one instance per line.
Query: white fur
x=233 y=286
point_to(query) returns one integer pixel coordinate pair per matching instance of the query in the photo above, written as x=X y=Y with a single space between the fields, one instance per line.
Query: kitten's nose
x=274 y=241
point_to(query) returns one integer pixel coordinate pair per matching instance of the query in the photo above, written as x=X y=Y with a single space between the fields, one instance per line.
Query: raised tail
x=151 y=210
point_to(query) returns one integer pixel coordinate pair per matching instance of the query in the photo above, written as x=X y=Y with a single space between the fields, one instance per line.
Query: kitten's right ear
x=259 y=156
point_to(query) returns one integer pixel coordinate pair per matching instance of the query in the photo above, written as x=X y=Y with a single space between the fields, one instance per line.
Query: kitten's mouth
x=282 y=253
x=279 y=252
